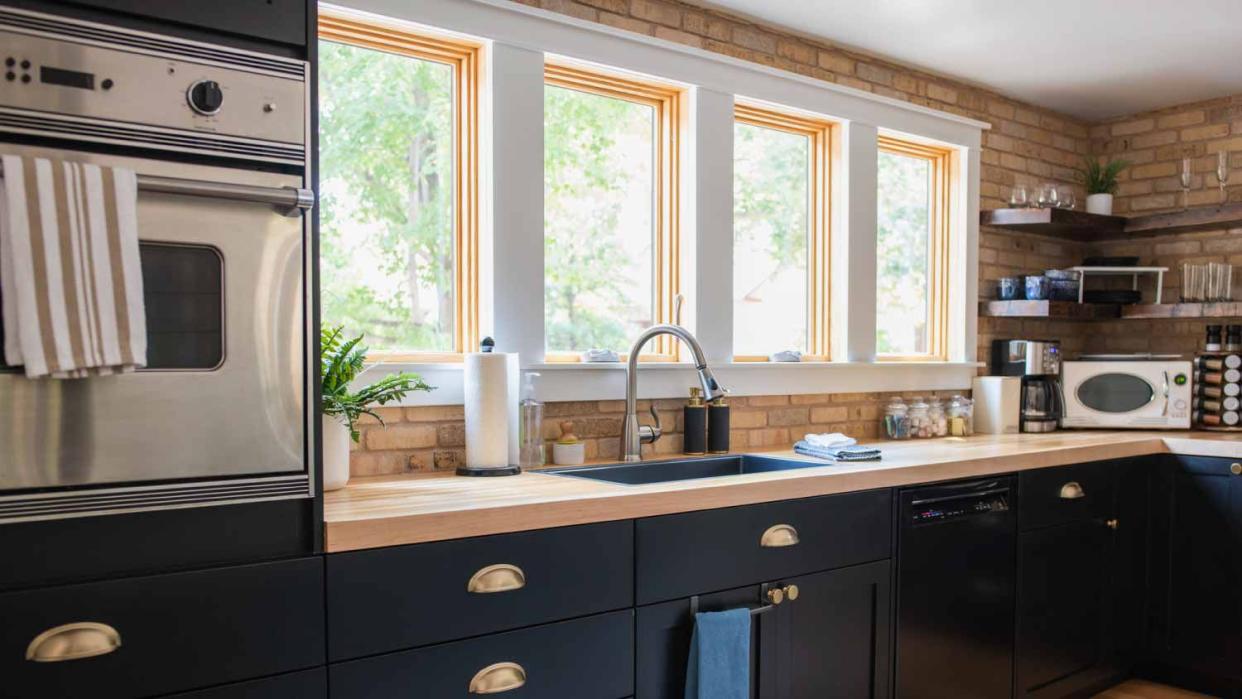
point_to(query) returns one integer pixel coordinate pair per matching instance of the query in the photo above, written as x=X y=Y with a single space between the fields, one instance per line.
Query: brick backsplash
x=1026 y=144
x=433 y=437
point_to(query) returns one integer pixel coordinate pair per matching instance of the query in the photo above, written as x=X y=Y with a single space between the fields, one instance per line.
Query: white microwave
x=1127 y=394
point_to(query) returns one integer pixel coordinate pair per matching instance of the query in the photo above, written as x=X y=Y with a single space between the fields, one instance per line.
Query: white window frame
x=517 y=39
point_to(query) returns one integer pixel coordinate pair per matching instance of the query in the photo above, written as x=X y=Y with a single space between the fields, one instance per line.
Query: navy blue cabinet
x=170 y=632
x=832 y=640
x=588 y=658
x=1082 y=557
x=389 y=599
x=1197 y=575
x=307 y=684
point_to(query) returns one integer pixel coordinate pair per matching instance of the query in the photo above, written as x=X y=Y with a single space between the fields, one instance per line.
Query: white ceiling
x=1089 y=58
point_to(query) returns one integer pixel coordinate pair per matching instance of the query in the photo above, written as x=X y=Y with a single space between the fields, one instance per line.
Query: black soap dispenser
x=694 y=415
x=718 y=426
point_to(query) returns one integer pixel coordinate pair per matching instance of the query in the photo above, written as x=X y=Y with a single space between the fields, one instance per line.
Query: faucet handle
x=648 y=434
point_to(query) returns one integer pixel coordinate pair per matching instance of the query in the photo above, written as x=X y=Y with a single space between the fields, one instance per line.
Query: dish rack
x=1218 y=392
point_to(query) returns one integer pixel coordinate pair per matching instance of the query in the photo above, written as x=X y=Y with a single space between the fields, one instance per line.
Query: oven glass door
x=224 y=392
x=1115 y=392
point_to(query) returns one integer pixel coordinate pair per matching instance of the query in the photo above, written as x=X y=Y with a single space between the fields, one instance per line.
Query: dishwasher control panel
x=945 y=509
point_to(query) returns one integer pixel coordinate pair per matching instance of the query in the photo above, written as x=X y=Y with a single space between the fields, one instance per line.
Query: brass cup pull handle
x=497 y=678
x=83 y=639
x=1112 y=524
x=779 y=535
x=1072 y=491
x=501 y=577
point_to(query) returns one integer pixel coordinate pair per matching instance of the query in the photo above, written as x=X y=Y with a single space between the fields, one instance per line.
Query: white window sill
x=589 y=382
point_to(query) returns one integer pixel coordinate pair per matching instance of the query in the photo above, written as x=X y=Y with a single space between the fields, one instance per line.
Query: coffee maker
x=1038 y=362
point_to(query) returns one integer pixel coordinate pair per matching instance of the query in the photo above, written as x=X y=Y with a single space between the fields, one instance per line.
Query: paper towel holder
x=487 y=346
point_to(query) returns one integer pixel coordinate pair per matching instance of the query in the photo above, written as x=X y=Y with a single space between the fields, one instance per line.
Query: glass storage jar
x=939 y=420
x=896 y=420
x=920 y=419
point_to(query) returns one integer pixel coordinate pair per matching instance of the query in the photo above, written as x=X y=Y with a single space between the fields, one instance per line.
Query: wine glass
x=1047 y=197
x=1222 y=172
x=1019 y=198
x=1185 y=183
x=1066 y=199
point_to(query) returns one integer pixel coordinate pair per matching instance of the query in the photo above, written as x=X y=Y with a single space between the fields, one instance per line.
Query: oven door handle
x=290 y=201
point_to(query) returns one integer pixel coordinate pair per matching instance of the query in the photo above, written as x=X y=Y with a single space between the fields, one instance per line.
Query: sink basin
x=681 y=469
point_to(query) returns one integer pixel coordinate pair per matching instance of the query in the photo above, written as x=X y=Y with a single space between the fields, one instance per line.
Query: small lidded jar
x=961 y=417
x=896 y=420
x=939 y=420
x=920 y=419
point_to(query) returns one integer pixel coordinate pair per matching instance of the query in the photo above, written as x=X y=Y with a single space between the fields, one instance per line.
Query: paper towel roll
x=490 y=388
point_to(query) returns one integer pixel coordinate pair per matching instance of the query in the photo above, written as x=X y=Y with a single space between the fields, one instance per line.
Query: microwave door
x=1115 y=393
x=224 y=392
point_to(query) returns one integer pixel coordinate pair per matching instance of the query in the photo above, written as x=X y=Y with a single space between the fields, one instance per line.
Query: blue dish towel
x=850 y=453
x=719 y=663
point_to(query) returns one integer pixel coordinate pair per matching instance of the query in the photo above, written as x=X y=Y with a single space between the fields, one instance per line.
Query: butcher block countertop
x=407 y=509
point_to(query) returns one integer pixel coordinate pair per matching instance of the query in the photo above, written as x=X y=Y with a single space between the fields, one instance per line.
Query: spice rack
x=1218 y=392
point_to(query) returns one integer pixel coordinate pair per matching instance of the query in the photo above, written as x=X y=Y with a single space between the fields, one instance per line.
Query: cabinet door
x=1063 y=575
x=663 y=634
x=1203 y=615
x=833 y=641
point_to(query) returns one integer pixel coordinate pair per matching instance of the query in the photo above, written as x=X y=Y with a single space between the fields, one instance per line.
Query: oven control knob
x=205 y=97
x=1179 y=404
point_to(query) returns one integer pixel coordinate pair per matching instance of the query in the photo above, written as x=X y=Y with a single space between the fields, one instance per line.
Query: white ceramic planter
x=335 y=453
x=1100 y=204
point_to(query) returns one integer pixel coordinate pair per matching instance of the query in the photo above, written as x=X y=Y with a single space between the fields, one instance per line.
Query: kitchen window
x=610 y=211
x=912 y=249
x=398 y=179
x=780 y=234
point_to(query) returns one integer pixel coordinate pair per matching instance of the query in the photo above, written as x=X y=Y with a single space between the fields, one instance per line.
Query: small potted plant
x=341 y=362
x=1101 y=181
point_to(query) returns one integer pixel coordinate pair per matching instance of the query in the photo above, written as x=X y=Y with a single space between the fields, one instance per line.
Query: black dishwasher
x=955 y=590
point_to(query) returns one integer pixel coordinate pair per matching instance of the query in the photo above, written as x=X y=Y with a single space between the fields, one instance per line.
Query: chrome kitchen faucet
x=633 y=435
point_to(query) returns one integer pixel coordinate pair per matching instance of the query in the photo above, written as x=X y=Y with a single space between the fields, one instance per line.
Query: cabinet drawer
x=686 y=554
x=176 y=631
x=589 y=658
x=1065 y=494
x=307 y=684
x=389 y=599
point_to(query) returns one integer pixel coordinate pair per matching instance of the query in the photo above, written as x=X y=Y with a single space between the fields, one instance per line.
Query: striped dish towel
x=70 y=275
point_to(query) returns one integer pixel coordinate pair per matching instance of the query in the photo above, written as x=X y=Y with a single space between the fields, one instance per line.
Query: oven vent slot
x=83 y=503
x=101 y=131
x=101 y=35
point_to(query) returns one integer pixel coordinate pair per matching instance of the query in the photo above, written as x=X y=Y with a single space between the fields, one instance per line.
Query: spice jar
x=920 y=419
x=961 y=415
x=939 y=420
x=896 y=420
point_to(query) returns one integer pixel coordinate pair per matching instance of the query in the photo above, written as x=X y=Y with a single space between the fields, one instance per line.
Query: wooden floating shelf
x=1088 y=228
x=1056 y=310
x=1069 y=310
x=1226 y=309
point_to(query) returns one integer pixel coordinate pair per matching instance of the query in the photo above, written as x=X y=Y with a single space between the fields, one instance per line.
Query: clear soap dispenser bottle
x=530 y=410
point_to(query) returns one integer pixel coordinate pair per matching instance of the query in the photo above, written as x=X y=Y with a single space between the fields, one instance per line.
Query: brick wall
x=1026 y=144
x=427 y=438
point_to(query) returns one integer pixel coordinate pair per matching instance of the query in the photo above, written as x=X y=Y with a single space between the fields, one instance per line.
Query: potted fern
x=341 y=362
x=1101 y=181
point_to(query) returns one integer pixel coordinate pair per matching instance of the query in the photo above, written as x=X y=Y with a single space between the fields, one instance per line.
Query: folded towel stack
x=70 y=274
x=835 y=447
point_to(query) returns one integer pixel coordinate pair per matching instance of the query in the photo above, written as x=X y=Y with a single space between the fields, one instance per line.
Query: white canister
x=335 y=453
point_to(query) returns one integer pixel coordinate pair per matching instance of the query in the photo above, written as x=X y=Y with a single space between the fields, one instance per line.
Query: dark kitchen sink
x=641 y=472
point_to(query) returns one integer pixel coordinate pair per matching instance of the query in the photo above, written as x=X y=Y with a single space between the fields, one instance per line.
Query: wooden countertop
x=407 y=509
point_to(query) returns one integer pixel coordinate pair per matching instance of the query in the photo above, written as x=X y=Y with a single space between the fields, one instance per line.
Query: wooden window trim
x=819 y=249
x=942 y=162
x=667 y=102
x=464 y=58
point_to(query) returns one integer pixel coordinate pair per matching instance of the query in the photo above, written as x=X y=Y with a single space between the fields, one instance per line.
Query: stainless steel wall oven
x=219 y=138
